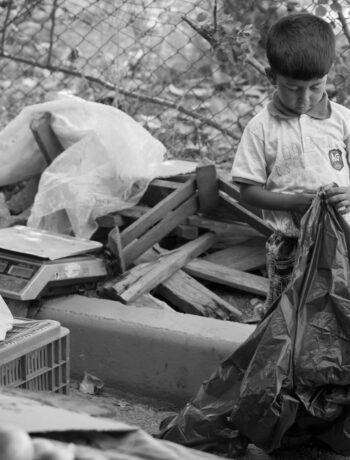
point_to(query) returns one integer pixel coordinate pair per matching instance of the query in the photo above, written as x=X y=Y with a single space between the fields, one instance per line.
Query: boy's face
x=299 y=96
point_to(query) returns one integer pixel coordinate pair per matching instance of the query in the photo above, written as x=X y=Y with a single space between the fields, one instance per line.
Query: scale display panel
x=15 y=273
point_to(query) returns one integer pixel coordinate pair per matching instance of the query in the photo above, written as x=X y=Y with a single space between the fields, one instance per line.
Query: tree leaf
x=336 y=7
x=320 y=10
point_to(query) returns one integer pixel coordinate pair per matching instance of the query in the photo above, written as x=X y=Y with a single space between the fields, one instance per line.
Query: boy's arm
x=256 y=195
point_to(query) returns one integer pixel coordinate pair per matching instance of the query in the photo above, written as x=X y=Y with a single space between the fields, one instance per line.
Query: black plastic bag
x=289 y=382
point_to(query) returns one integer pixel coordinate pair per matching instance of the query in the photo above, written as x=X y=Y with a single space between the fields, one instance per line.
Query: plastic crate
x=35 y=356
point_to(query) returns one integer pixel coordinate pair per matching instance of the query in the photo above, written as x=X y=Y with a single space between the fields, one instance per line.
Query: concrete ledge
x=146 y=351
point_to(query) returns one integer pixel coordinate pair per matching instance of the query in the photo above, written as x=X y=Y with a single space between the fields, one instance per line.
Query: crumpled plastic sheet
x=108 y=162
x=289 y=382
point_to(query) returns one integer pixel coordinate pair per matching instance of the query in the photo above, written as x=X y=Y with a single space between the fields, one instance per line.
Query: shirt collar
x=321 y=111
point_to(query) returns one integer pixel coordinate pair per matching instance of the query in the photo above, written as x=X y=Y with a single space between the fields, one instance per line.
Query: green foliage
x=236 y=42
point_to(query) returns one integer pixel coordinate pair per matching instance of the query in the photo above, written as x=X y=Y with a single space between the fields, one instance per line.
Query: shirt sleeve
x=249 y=164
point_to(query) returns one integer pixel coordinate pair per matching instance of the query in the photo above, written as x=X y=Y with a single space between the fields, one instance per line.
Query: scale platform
x=36 y=263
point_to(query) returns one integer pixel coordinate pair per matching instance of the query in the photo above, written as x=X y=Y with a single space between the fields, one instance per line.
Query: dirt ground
x=147 y=414
x=125 y=407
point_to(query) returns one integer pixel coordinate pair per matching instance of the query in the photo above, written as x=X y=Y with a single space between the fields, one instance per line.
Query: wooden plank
x=189 y=296
x=112 y=288
x=156 y=213
x=230 y=189
x=247 y=256
x=181 y=291
x=110 y=220
x=135 y=212
x=224 y=240
x=187 y=232
x=122 y=217
x=149 y=301
x=244 y=214
x=207 y=186
x=135 y=282
x=223 y=228
x=230 y=277
x=173 y=218
x=164 y=184
x=157 y=190
x=45 y=137
x=115 y=246
x=233 y=191
x=183 y=177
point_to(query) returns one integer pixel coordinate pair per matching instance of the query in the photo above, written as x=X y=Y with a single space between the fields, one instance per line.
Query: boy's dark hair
x=301 y=46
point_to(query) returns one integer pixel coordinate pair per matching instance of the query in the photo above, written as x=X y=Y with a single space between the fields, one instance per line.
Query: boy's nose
x=303 y=97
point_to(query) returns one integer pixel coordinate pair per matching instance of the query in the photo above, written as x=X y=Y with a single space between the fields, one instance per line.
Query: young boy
x=298 y=143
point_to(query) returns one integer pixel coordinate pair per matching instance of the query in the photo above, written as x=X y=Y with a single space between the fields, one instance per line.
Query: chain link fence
x=190 y=71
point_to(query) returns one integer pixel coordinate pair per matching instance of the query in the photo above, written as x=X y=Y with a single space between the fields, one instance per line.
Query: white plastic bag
x=107 y=165
x=6 y=319
x=126 y=141
x=108 y=162
x=81 y=185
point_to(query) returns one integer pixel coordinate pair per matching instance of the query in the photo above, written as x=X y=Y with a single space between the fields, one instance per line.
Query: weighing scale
x=36 y=263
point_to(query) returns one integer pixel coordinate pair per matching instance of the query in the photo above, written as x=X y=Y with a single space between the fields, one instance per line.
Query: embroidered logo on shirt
x=336 y=159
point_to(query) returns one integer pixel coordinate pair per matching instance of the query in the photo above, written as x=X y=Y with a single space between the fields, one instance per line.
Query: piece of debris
x=91 y=384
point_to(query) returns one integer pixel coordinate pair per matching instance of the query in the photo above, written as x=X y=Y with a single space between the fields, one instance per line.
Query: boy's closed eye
x=296 y=88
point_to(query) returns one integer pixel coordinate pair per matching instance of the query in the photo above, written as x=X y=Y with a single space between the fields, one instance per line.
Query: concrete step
x=147 y=351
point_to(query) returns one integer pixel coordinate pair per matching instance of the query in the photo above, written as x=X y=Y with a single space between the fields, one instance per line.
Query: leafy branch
x=230 y=44
x=342 y=19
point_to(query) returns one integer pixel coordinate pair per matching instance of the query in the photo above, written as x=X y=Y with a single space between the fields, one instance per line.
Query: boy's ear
x=271 y=75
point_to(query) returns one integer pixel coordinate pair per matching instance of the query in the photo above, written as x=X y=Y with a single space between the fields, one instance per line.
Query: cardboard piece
x=111 y=439
x=36 y=417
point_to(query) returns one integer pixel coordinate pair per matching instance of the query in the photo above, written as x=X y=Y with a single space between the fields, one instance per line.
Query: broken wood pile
x=189 y=232
x=213 y=240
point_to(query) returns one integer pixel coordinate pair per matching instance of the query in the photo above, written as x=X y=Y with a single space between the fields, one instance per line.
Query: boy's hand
x=339 y=198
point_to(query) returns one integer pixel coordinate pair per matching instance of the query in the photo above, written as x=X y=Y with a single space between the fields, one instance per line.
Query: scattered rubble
x=189 y=216
x=188 y=234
